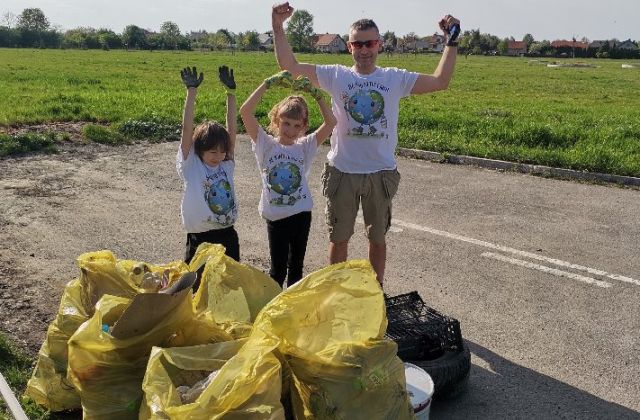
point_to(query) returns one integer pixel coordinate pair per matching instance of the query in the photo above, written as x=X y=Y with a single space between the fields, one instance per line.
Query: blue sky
x=544 y=19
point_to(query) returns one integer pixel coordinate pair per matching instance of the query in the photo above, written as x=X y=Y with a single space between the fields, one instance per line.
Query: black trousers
x=287 y=246
x=228 y=237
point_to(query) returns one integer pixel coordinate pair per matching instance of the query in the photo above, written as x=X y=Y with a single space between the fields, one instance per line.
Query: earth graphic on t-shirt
x=285 y=178
x=219 y=197
x=366 y=106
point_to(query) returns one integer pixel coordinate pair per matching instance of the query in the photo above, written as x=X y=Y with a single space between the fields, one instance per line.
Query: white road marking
x=517 y=252
x=546 y=269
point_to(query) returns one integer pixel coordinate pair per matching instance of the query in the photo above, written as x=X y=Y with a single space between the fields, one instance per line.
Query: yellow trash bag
x=219 y=380
x=330 y=327
x=103 y=274
x=100 y=273
x=48 y=385
x=232 y=293
x=351 y=381
x=107 y=367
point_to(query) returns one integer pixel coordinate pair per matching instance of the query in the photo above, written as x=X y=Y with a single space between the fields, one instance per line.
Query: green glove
x=190 y=77
x=283 y=79
x=226 y=78
x=303 y=84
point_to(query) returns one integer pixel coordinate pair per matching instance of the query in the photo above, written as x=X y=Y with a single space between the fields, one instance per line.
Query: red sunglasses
x=369 y=44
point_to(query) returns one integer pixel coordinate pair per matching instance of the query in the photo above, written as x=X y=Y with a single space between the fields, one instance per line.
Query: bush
x=103 y=135
x=24 y=143
x=151 y=128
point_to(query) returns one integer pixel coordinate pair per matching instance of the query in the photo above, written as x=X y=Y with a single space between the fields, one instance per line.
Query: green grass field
x=496 y=107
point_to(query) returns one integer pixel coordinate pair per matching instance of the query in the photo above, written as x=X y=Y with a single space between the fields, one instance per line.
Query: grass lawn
x=517 y=109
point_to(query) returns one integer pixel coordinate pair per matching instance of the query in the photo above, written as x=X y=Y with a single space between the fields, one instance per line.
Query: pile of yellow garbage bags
x=131 y=341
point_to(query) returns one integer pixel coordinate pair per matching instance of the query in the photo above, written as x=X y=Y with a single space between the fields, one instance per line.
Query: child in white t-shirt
x=205 y=164
x=285 y=162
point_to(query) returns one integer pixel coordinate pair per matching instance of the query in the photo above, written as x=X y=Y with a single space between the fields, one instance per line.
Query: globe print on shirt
x=220 y=199
x=366 y=107
x=285 y=180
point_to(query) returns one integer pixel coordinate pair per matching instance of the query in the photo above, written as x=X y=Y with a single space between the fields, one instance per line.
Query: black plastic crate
x=422 y=333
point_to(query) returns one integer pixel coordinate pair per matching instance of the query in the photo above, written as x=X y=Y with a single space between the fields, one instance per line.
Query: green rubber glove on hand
x=283 y=79
x=226 y=78
x=303 y=84
x=190 y=77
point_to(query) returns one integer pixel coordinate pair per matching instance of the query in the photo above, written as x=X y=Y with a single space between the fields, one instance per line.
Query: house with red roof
x=570 y=44
x=516 y=48
x=329 y=43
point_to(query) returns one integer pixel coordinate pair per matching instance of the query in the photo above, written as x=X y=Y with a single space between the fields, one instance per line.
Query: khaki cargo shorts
x=345 y=192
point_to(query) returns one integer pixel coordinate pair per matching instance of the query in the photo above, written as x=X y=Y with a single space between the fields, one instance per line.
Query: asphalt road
x=543 y=275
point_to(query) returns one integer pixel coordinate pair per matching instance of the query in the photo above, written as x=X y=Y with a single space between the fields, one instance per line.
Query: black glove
x=190 y=77
x=454 y=31
x=226 y=78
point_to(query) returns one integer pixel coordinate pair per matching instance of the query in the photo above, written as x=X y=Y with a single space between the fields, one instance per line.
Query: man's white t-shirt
x=208 y=199
x=284 y=170
x=366 y=107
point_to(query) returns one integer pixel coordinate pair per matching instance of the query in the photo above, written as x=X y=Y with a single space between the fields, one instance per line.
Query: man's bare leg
x=378 y=258
x=338 y=252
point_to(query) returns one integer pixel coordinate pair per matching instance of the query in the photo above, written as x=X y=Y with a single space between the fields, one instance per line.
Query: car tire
x=449 y=372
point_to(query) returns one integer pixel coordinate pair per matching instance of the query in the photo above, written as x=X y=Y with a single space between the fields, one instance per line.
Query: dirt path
x=53 y=208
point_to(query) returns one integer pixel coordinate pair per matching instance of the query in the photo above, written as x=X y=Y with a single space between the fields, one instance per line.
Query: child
x=205 y=165
x=285 y=162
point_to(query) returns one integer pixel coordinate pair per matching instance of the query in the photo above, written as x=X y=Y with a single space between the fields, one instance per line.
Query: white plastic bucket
x=420 y=390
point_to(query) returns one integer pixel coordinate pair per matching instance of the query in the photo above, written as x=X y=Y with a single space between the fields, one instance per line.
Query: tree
x=528 y=40
x=9 y=37
x=85 y=38
x=250 y=41
x=542 y=48
x=9 y=19
x=409 y=41
x=170 y=33
x=33 y=19
x=134 y=37
x=390 y=38
x=221 y=39
x=474 y=41
x=488 y=43
x=109 y=39
x=503 y=46
x=300 y=30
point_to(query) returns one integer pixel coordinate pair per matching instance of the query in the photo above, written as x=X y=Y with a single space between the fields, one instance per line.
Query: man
x=365 y=100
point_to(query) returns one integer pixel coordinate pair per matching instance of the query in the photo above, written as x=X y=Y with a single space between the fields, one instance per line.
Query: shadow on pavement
x=510 y=391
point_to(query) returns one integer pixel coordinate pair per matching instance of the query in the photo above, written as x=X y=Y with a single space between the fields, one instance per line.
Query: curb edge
x=539 y=170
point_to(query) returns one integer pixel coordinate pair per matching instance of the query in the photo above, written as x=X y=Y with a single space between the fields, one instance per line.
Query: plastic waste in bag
x=107 y=368
x=230 y=292
x=100 y=273
x=48 y=385
x=228 y=380
x=330 y=327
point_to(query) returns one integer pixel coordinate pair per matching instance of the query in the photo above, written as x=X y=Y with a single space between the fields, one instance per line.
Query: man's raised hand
x=226 y=78
x=450 y=26
x=280 y=13
x=190 y=77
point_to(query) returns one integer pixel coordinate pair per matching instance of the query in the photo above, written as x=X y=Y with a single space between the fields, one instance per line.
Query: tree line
x=32 y=29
